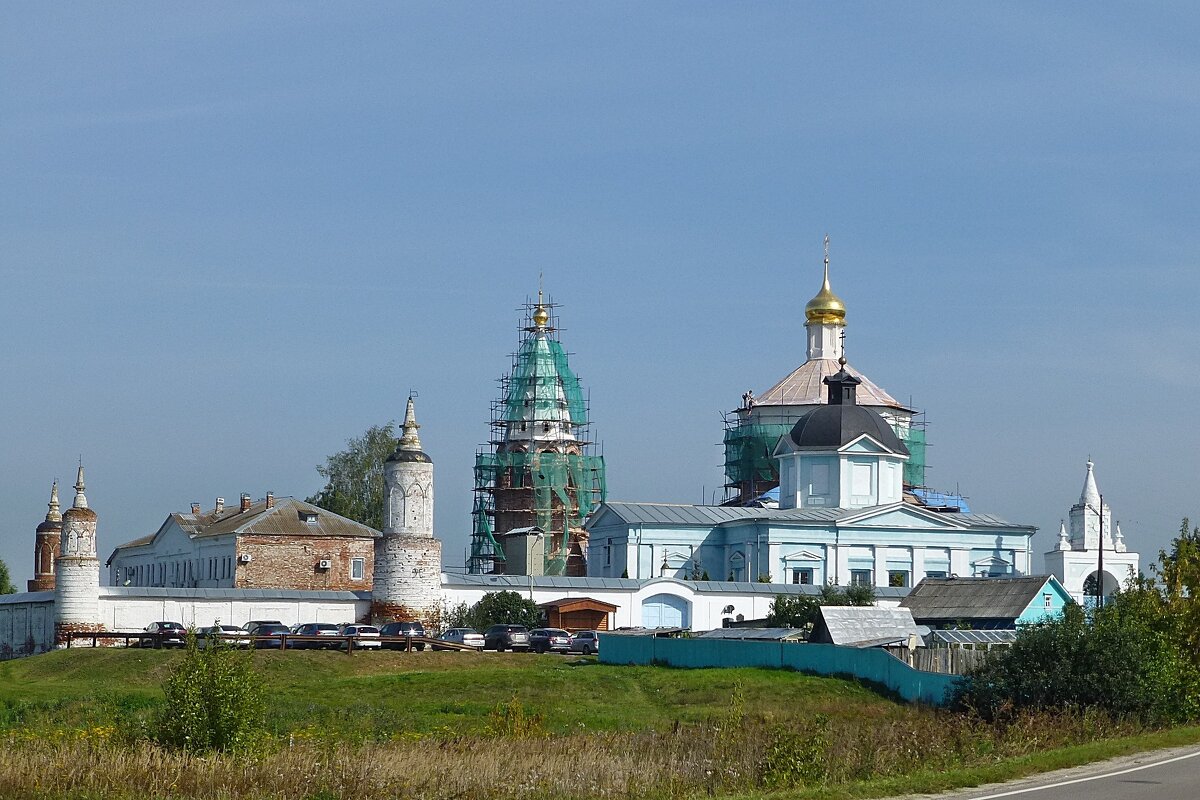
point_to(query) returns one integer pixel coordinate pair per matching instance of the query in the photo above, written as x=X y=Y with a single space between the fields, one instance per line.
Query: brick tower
x=46 y=546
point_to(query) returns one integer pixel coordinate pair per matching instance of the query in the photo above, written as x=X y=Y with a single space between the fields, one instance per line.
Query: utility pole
x=1100 y=568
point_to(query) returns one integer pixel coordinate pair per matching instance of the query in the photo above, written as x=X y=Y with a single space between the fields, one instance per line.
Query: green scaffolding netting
x=748 y=451
x=542 y=387
x=574 y=484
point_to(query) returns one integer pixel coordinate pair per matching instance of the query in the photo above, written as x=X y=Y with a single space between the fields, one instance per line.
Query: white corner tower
x=1075 y=559
x=77 y=570
x=408 y=559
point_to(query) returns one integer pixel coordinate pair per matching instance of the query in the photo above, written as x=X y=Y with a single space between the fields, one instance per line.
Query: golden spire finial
x=541 y=317
x=826 y=307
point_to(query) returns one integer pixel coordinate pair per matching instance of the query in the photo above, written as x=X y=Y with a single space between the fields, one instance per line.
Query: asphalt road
x=1159 y=775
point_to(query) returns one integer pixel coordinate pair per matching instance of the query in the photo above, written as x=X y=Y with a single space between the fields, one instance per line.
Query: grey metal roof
x=754 y=634
x=27 y=597
x=229 y=593
x=975 y=637
x=973 y=598
x=856 y=625
x=282 y=517
x=681 y=514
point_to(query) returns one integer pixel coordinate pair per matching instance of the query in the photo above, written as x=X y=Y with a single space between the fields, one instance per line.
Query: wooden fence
x=944 y=660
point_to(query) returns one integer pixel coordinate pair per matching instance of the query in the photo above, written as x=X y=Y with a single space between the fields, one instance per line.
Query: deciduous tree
x=6 y=584
x=354 y=477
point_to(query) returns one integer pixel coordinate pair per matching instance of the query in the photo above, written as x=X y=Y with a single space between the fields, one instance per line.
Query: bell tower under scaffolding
x=538 y=480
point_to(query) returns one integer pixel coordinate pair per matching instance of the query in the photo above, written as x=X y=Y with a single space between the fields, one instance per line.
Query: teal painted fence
x=868 y=664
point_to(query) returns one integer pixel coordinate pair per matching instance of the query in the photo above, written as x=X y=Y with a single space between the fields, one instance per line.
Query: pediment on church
x=900 y=516
x=863 y=444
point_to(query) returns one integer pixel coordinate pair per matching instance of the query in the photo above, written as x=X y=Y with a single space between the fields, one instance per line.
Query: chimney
x=220 y=504
x=245 y=503
x=270 y=499
x=195 y=509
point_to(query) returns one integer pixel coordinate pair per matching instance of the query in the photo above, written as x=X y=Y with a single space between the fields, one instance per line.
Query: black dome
x=832 y=426
x=408 y=456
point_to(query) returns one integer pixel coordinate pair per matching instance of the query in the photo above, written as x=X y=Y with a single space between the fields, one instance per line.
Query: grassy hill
x=75 y=724
x=376 y=695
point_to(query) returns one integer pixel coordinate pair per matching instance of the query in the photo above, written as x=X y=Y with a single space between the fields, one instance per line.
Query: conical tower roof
x=409 y=446
x=1090 y=496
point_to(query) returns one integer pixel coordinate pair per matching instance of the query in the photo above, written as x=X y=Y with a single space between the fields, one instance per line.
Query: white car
x=468 y=636
x=365 y=636
x=228 y=635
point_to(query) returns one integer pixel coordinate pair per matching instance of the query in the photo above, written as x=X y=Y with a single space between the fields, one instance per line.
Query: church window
x=860 y=479
x=820 y=479
x=802 y=576
x=358 y=568
x=860 y=577
x=897 y=578
x=935 y=573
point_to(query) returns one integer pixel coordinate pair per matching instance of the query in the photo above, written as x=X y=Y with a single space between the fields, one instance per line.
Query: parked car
x=228 y=635
x=407 y=628
x=268 y=629
x=253 y=625
x=506 y=637
x=586 y=642
x=467 y=636
x=166 y=634
x=315 y=629
x=365 y=636
x=544 y=640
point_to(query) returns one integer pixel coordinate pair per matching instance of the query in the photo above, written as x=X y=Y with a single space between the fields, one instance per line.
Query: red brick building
x=274 y=543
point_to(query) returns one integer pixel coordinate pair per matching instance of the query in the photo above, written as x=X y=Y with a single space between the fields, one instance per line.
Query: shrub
x=214 y=701
x=796 y=757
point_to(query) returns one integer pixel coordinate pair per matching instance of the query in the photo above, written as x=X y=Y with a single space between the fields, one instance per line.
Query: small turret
x=77 y=571
x=46 y=545
x=408 y=559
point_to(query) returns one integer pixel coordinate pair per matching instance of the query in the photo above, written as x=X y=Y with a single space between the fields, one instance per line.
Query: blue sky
x=233 y=237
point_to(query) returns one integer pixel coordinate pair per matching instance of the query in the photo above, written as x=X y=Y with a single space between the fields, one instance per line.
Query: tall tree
x=6 y=584
x=354 y=477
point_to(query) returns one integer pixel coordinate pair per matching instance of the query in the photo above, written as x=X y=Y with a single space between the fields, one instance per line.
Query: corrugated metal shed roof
x=973 y=598
x=754 y=634
x=27 y=597
x=857 y=625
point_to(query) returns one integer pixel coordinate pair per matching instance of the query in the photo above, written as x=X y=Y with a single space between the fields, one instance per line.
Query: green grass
x=658 y=732
x=375 y=695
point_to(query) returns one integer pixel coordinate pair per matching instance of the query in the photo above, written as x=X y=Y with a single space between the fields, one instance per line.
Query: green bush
x=214 y=701
x=796 y=757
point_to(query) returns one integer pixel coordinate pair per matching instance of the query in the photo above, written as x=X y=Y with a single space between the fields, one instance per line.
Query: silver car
x=586 y=642
x=468 y=636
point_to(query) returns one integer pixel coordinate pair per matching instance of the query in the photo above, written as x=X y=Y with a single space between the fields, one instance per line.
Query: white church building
x=1091 y=540
x=844 y=515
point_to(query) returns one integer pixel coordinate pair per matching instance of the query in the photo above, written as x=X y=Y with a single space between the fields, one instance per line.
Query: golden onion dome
x=541 y=316
x=826 y=307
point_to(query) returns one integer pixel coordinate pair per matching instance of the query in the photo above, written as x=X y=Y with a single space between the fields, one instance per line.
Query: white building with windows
x=843 y=518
